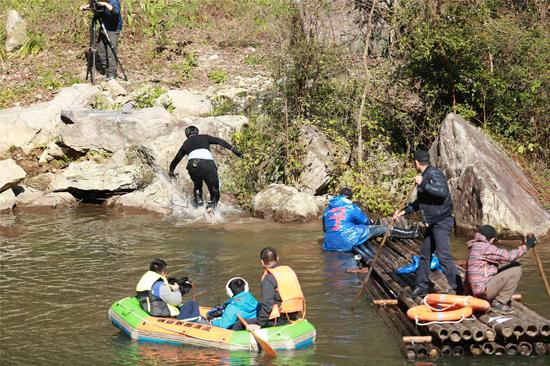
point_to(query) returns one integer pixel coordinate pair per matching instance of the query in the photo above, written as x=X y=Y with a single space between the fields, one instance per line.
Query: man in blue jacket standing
x=346 y=225
x=241 y=302
x=110 y=14
x=435 y=202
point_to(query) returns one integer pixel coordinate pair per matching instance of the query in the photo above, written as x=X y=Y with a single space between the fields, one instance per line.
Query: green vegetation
x=32 y=46
x=224 y=105
x=218 y=76
x=146 y=96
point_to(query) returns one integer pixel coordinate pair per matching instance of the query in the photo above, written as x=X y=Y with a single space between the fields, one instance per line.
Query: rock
x=156 y=197
x=51 y=152
x=267 y=202
x=320 y=159
x=16 y=31
x=91 y=176
x=7 y=200
x=40 y=182
x=186 y=103
x=115 y=89
x=10 y=174
x=32 y=198
x=486 y=185
x=300 y=207
x=38 y=124
x=110 y=131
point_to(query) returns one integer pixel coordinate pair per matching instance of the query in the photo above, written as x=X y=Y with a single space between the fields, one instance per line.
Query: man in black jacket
x=200 y=165
x=435 y=202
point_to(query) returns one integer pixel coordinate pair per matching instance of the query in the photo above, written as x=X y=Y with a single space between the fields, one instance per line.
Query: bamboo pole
x=541 y=270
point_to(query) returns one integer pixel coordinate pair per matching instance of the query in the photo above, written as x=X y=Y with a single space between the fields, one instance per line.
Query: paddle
x=373 y=262
x=541 y=270
x=263 y=344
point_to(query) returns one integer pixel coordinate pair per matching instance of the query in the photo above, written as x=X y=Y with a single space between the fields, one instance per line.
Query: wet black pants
x=204 y=171
x=436 y=239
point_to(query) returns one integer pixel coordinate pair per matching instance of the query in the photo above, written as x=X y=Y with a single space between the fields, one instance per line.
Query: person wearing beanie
x=484 y=279
x=434 y=200
x=345 y=225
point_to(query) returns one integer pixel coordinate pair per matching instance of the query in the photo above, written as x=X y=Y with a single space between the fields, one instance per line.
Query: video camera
x=184 y=284
x=215 y=312
x=95 y=6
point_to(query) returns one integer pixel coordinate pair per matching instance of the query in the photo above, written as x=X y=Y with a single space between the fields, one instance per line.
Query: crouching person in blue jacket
x=241 y=302
x=345 y=225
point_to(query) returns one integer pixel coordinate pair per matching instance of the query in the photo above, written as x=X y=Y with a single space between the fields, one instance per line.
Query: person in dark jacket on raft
x=200 y=164
x=240 y=302
x=282 y=296
x=484 y=278
x=345 y=225
x=160 y=298
x=435 y=202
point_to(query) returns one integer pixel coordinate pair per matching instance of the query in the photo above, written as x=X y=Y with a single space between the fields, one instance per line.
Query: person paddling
x=282 y=296
x=484 y=278
x=345 y=225
x=200 y=165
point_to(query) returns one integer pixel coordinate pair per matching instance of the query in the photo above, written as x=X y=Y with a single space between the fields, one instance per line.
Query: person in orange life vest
x=282 y=296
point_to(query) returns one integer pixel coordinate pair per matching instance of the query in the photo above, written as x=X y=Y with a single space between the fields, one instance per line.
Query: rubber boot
x=197 y=198
x=401 y=233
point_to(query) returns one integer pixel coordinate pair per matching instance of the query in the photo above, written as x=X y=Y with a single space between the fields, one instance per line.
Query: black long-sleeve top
x=270 y=297
x=195 y=142
x=433 y=196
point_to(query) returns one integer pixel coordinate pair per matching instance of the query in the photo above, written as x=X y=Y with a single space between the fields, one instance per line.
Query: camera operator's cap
x=229 y=291
x=346 y=192
x=422 y=156
x=488 y=232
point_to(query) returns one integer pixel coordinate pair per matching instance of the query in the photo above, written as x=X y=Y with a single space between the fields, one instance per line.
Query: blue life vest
x=345 y=225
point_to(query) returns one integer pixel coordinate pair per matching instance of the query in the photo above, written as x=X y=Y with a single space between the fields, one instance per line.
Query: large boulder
x=285 y=204
x=185 y=103
x=486 y=185
x=16 y=31
x=32 y=198
x=93 y=177
x=267 y=202
x=300 y=207
x=319 y=160
x=40 y=182
x=10 y=174
x=38 y=124
x=7 y=200
x=156 y=197
x=110 y=131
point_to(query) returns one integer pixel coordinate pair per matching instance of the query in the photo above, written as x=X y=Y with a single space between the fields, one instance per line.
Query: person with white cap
x=240 y=302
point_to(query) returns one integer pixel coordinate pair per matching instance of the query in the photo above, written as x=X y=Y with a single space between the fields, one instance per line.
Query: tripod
x=92 y=49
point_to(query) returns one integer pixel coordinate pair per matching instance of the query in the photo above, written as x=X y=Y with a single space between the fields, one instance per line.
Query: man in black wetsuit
x=201 y=165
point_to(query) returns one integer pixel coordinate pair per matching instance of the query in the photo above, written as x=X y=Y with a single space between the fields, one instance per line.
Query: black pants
x=436 y=239
x=202 y=170
x=106 y=57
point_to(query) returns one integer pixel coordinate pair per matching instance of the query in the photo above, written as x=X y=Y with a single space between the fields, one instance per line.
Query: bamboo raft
x=522 y=333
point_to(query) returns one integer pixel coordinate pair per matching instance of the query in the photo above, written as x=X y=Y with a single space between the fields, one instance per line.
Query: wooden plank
x=385 y=301
x=417 y=339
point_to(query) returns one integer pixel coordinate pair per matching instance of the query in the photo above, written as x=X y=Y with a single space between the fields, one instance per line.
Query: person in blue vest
x=345 y=225
x=241 y=302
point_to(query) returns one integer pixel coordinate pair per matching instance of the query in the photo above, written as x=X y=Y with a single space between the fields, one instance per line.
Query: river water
x=61 y=270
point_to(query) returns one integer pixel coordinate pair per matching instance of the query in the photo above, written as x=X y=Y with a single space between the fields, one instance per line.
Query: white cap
x=228 y=290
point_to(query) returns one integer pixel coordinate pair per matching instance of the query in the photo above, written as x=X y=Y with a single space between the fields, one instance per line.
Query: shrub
x=218 y=76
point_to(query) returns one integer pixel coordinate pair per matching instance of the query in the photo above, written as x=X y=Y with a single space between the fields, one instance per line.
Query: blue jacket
x=243 y=304
x=345 y=225
x=112 y=19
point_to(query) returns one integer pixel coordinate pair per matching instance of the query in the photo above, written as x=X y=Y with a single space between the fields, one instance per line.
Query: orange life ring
x=473 y=302
x=424 y=312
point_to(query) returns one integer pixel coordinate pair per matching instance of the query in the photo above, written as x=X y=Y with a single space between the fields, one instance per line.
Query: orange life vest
x=289 y=289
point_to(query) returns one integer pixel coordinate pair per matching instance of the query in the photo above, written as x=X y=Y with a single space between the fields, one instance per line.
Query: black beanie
x=488 y=232
x=422 y=156
x=346 y=192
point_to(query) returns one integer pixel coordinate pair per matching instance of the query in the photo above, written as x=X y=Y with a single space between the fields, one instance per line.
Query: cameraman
x=109 y=14
x=241 y=302
x=158 y=297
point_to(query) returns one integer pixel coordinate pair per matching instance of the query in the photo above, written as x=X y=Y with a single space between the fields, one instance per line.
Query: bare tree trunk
x=365 y=88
